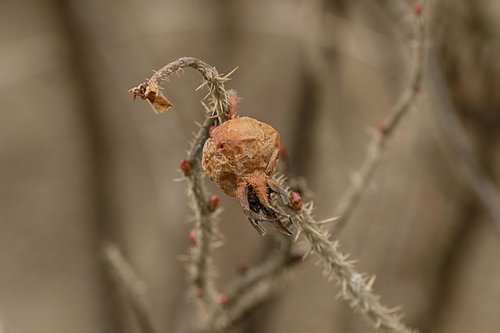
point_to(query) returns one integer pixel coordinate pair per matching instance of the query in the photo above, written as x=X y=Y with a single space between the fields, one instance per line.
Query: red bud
x=192 y=237
x=185 y=167
x=213 y=202
x=296 y=200
x=222 y=299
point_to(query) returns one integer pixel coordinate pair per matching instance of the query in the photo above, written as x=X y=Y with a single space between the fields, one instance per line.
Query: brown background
x=81 y=164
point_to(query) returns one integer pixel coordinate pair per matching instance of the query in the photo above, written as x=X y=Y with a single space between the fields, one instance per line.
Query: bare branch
x=479 y=182
x=256 y=285
x=131 y=284
x=362 y=176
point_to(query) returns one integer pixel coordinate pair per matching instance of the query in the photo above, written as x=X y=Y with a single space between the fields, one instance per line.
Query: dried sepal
x=152 y=94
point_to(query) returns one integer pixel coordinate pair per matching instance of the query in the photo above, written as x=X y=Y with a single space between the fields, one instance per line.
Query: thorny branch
x=200 y=263
x=256 y=284
x=361 y=178
x=131 y=285
x=356 y=288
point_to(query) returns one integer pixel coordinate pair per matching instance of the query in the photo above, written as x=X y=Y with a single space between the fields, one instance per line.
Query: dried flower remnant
x=241 y=156
x=150 y=92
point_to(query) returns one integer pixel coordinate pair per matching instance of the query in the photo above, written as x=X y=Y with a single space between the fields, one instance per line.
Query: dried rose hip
x=241 y=156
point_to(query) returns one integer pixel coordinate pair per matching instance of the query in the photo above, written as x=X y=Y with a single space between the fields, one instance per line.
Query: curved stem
x=200 y=264
x=362 y=177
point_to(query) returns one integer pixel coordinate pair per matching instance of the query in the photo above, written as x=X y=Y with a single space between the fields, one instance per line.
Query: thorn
x=226 y=77
x=417 y=8
x=222 y=299
x=241 y=269
x=198 y=293
x=299 y=231
x=329 y=220
x=369 y=282
x=381 y=128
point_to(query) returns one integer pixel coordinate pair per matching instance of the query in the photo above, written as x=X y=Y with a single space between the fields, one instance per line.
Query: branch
x=482 y=186
x=256 y=285
x=261 y=281
x=353 y=193
x=131 y=284
x=356 y=287
x=200 y=263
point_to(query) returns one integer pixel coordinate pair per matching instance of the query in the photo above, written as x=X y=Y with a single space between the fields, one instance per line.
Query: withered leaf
x=153 y=95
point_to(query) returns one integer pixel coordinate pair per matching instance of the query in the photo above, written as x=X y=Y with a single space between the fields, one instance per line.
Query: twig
x=131 y=284
x=200 y=264
x=356 y=287
x=256 y=274
x=353 y=193
x=253 y=287
x=256 y=285
x=478 y=181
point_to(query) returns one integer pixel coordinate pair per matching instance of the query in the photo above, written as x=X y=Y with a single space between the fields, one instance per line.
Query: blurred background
x=80 y=164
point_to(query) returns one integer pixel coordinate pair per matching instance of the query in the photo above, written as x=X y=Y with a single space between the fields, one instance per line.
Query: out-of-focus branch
x=129 y=282
x=406 y=101
x=256 y=285
x=479 y=182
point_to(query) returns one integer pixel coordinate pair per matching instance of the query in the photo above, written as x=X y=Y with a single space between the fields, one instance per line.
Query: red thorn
x=185 y=167
x=211 y=129
x=283 y=151
x=213 y=202
x=222 y=299
x=296 y=200
x=241 y=269
x=192 y=237
x=417 y=8
x=381 y=128
x=198 y=293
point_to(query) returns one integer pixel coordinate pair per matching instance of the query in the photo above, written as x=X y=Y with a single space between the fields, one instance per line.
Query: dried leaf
x=152 y=94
